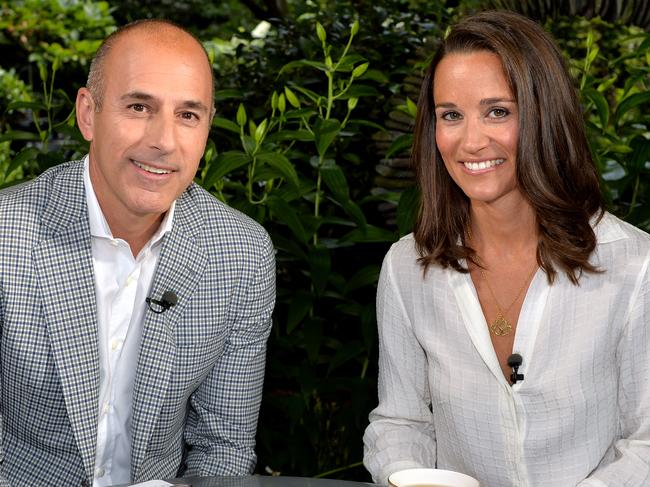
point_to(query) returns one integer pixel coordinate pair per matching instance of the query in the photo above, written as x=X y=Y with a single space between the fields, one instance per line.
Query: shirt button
x=106 y=408
x=99 y=472
x=114 y=243
x=115 y=344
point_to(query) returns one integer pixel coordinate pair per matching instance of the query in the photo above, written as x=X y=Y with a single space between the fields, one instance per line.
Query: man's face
x=147 y=140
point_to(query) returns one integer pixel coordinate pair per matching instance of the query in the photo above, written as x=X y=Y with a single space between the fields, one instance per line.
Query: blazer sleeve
x=223 y=413
x=400 y=434
x=628 y=461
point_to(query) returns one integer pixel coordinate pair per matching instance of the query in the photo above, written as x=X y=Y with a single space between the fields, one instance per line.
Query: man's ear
x=85 y=113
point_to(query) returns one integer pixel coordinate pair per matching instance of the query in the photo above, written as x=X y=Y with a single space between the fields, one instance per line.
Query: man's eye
x=138 y=107
x=189 y=116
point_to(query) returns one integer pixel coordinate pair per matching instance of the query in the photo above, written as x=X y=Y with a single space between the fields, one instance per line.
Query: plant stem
x=319 y=180
x=634 y=197
x=340 y=469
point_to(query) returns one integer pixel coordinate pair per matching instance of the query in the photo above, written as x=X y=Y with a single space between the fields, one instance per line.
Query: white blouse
x=581 y=416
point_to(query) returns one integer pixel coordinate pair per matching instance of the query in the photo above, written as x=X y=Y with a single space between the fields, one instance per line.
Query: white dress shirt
x=581 y=416
x=122 y=283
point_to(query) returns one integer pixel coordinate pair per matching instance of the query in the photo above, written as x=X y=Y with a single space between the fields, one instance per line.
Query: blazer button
x=84 y=483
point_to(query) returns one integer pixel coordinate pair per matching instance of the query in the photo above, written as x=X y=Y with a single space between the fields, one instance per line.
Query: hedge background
x=311 y=138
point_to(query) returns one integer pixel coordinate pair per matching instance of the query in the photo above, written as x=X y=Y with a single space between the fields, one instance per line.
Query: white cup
x=430 y=477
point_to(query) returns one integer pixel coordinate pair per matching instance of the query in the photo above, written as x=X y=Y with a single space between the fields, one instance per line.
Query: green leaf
x=320 y=266
x=287 y=214
x=22 y=105
x=320 y=32
x=346 y=63
x=282 y=164
x=370 y=233
x=300 y=64
x=354 y=28
x=224 y=164
x=407 y=210
x=334 y=179
x=347 y=352
x=359 y=90
x=367 y=276
x=229 y=94
x=640 y=154
x=593 y=54
x=601 y=105
x=325 y=131
x=282 y=135
x=18 y=135
x=411 y=107
x=249 y=144
x=224 y=123
x=336 y=182
x=300 y=304
x=630 y=102
x=291 y=97
x=26 y=154
x=260 y=131
x=241 y=115
x=401 y=143
x=367 y=123
x=359 y=70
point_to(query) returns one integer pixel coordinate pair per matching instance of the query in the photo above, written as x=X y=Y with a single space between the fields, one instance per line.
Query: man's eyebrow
x=136 y=95
x=195 y=105
x=142 y=96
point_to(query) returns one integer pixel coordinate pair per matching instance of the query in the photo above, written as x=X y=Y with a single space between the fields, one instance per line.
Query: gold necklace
x=500 y=326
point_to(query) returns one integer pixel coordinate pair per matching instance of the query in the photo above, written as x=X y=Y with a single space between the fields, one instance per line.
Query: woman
x=512 y=253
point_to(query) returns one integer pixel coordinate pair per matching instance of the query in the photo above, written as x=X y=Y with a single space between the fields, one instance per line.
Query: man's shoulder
x=60 y=184
x=218 y=219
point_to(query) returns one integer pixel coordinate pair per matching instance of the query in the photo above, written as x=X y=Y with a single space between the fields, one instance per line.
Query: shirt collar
x=98 y=224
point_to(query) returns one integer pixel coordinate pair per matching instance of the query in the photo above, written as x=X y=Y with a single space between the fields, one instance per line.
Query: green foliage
x=612 y=65
x=49 y=44
x=292 y=146
x=636 y=12
x=289 y=172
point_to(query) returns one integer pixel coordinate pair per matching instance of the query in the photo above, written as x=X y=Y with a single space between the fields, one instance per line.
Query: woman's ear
x=85 y=108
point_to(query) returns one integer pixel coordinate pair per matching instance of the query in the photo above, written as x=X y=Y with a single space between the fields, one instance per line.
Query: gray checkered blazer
x=201 y=364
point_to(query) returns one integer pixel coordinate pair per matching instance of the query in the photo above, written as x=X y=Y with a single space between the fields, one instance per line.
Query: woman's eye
x=451 y=116
x=499 y=112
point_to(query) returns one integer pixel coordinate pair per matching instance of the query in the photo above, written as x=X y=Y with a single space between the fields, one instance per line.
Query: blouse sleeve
x=400 y=434
x=629 y=465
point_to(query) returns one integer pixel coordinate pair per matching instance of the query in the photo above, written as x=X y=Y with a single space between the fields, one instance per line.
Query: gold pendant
x=500 y=326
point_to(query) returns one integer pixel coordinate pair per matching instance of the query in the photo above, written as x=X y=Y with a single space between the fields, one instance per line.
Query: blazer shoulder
x=222 y=221
x=25 y=203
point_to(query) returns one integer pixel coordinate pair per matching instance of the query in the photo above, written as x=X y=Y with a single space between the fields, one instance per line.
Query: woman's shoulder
x=620 y=245
x=610 y=229
x=404 y=248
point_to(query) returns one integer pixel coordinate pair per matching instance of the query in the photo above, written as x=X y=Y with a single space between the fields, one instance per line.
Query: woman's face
x=477 y=125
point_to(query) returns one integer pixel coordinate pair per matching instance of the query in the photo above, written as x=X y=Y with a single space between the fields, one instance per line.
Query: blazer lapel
x=64 y=269
x=179 y=270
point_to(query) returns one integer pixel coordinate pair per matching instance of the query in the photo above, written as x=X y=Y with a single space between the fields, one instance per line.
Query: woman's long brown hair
x=554 y=167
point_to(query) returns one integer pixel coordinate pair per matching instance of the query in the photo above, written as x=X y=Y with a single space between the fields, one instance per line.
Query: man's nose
x=161 y=132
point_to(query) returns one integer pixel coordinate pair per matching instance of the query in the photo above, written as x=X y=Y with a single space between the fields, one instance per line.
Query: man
x=134 y=307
